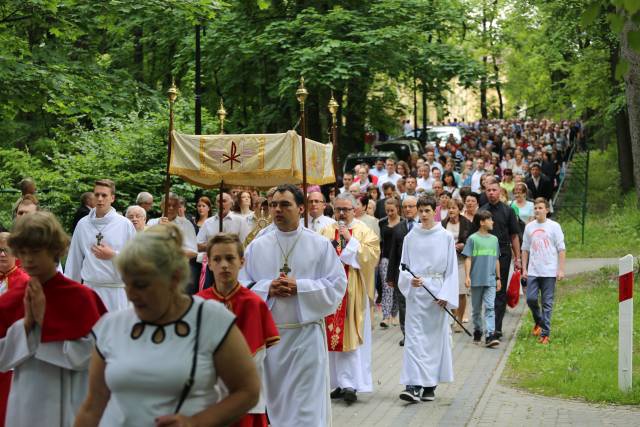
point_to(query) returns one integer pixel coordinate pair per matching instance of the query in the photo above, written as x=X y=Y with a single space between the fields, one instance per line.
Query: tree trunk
x=425 y=118
x=483 y=91
x=623 y=136
x=498 y=87
x=355 y=115
x=632 y=86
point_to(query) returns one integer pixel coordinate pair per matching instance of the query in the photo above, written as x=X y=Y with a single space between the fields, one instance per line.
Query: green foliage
x=609 y=214
x=581 y=359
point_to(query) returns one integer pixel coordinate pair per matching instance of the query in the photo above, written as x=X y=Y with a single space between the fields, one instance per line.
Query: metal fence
x=571 y=197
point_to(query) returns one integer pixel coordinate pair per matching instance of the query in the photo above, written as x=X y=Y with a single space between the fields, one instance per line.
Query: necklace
x=285 y=266
x=99 y=236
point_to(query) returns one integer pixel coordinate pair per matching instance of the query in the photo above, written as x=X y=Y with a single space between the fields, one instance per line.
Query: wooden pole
x=173 y=94
x=333 y=109
x=220 y=204
x=302 y=94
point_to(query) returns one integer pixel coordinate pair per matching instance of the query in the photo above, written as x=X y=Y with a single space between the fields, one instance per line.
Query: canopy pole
x=302 y=94
x=220 y=204
x=333 y=109
x=173 y=94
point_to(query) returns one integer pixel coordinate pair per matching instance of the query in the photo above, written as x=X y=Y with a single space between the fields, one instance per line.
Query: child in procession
x=482 y=271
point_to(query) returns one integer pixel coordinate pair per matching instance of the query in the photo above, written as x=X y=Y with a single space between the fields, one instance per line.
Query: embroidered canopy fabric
x=249 y=160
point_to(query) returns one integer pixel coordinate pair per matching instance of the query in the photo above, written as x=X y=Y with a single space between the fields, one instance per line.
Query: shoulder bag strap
x=192 y=374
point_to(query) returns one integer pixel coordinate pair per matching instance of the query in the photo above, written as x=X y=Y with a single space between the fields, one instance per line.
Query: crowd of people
x=249 y=317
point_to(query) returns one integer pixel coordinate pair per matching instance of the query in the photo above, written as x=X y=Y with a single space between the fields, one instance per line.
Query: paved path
x=475 y=397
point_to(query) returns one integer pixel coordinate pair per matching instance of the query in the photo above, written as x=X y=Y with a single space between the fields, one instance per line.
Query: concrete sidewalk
x=475 y=397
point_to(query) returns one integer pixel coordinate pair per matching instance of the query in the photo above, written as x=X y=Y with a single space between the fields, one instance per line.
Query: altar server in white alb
x=45 y=327
x=97 y=239
x=298 y=273
x=429 y=252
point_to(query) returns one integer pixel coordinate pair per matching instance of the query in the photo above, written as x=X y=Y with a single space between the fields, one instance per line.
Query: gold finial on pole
x=173 y=91
x=333 y=107
x=301 y=95
x=222 y=113
x=172 y=94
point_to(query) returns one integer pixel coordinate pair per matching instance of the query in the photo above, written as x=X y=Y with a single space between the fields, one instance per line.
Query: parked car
x=438 y=132
x=402 y=147
x=370 y=158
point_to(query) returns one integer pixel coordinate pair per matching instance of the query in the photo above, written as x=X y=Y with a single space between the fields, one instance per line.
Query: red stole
x=334 y=323
x=16 y=278
x=72 y=309
x=252 y=316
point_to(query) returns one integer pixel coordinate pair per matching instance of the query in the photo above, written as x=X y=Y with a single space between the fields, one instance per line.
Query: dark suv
x=354 y=159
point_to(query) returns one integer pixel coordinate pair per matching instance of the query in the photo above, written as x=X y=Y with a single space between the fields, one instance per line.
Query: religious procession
x=299 y=240
x=262 y=314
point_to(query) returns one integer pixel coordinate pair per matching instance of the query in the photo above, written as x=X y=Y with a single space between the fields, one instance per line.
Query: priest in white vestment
x=299 y=275
x=429 y=252
x=97 y=239
x=349 y=328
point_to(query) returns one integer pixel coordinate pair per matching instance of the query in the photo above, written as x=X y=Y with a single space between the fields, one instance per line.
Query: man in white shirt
x=231 y=223
x=378 y=171
x=189 y=245
x=347 y=180
x=317 y=219
x=391 y=175
x=424 y=179
x=411 y=186
x=543 y=255
x=477 y=174
x=431 y=160
x=97 y=239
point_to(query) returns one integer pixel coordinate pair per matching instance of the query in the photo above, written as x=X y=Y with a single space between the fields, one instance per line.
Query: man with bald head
x=317 y=219
x=410 y=213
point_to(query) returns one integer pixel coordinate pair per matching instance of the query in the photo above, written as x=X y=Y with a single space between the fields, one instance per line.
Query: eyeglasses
x=5 y=251
x=343 y=209
x=283 y=205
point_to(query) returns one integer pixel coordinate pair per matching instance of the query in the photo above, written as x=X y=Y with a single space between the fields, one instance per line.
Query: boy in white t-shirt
x=543 y=254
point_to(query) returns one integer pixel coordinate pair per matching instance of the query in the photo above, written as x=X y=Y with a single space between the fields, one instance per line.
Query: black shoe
x=428 y=394
x=411 y=394
x=384 y=325
x=492 y=341
x=498 y=335
x=477 y=337
x=338 y=393
x=401 y=343
x=350 y=395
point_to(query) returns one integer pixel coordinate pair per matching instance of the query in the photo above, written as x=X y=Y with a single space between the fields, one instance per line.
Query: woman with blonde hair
x=157 y=362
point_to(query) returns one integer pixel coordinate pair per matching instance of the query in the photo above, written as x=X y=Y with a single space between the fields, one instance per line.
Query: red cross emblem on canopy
x=233 y=156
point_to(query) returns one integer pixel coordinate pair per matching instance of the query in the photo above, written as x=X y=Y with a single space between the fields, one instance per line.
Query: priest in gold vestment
x=349 y=328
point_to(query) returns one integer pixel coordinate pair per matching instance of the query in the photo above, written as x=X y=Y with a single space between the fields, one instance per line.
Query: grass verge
x=581 y=360
x=612 y=226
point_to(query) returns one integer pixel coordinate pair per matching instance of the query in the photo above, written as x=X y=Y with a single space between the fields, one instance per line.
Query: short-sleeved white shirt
x=146 y=379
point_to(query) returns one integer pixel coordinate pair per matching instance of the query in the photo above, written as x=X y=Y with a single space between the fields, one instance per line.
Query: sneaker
x=338 y=393
x=477 y=337
x=543 y=340
x=384 y=325
x=536 y=331
x=412 y=394
x=428 y=394
x=401 y=343
x=350 y=395
x=492 y=341
x=498 y=335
